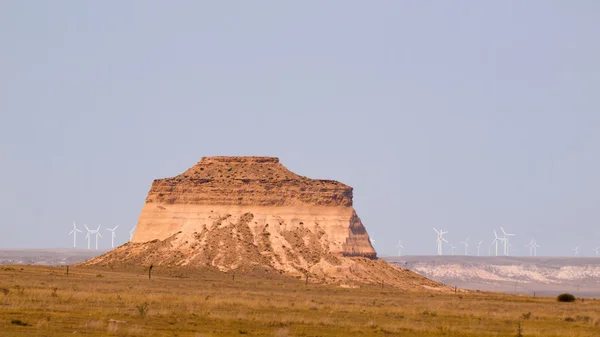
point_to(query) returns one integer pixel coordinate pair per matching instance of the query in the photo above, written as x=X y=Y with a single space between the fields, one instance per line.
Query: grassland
x=44 y=301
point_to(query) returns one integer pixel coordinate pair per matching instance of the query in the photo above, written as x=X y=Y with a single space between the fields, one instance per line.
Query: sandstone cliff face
x=236 y=213
x=221 y=191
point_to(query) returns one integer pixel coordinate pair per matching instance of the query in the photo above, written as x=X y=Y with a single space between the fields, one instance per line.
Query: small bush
x=142 y=309
x=18 y=322
x=20 y=290
x=243 y=332
x=526 y=316
x=519 y=330
x=565 y=298
x=569 y=319
x=586 y=319
x=4 y=291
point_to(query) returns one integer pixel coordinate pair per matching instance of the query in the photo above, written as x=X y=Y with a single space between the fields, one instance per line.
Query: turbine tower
x=466 y=243
x=596 y=250
x=88 y=236
x=131 y=232
x=496 y=239
x=452 y=248
x=505 y=239
x=112 y=235
x=479 y=245
x=535 y=247
x=400 y=248
x=74 y=232
x=439 y=240
x=576 y=250
x=531 y=247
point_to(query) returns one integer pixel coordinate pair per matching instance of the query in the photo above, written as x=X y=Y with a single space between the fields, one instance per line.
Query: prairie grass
x=44 y=301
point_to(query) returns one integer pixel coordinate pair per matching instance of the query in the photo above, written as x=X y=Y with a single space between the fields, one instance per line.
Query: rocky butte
x=249 y=213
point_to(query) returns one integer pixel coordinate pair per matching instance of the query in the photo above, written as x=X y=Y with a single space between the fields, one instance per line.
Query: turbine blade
x=86 y=227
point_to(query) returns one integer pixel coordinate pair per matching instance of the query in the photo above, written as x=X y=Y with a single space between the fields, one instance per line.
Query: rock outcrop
x=236 y=213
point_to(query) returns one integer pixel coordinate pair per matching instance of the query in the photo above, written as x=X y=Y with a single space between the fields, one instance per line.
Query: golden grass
x=44 y=301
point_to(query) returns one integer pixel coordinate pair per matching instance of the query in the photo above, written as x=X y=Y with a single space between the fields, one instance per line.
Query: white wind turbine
x=452 y=248
x=576 y=250
x=496 y=239
x=531 y=247
x=505 y=239
x=74 y=232
x=479 y=245
x=112 y=235
x=597 y=250
x=400 y=248
x=89 y=235
x=535 y=247
x=466 y=243
x=131 y=232
x=439 y=240
x=372 y=242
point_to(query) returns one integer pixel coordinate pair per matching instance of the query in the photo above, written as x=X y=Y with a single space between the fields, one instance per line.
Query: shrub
x=18 y=322
x=519 y=330
x=4 y=291
x=526 y=316
x=565 y=298
x=142 y=309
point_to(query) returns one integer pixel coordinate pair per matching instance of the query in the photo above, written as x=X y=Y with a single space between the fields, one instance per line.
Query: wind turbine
x=576 y=250
x=496 y=239
x=531 y=247
x=466 y=243
x=372 y=242
x=479 y=245
x=596 y=250
x=74 y=232
x=89 y=235
x=439 y=240
x=505 y=239
x=131 y=232
x=452 y=248
x=535 y=247
x=112 y=236
x=400 y=248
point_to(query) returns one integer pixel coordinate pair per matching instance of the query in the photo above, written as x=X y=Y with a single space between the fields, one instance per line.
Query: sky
x=461 y=115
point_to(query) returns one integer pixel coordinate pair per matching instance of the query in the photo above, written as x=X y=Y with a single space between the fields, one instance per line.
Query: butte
x=252 y=213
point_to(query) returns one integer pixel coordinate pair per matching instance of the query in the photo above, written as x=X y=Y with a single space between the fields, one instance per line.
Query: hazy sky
x=465 y=115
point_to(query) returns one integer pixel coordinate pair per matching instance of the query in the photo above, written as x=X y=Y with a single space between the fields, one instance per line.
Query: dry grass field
x=44 y=301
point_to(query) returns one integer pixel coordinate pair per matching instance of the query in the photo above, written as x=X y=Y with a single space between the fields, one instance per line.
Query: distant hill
x=51 y=257
x=525 y=275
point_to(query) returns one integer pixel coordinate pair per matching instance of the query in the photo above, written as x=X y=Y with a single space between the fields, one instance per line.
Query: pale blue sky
x=465 y=115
